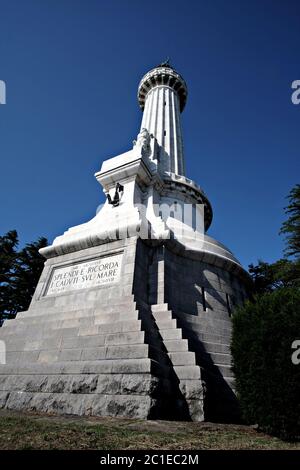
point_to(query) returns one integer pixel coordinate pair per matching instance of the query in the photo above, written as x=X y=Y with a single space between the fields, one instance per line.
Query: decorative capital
x=163 y=75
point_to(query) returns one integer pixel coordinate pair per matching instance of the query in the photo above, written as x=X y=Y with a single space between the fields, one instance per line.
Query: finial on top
x=166 y=63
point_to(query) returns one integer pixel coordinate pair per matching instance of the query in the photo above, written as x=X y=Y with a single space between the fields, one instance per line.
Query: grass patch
x=33 y=431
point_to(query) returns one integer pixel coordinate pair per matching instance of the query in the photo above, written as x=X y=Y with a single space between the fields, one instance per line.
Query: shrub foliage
x=267 y=381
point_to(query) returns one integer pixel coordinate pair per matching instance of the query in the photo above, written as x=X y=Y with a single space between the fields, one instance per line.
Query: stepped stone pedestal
x=97 y=350
x=131 y=315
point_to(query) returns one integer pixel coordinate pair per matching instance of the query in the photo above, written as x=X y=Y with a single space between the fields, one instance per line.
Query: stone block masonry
x=98 y=354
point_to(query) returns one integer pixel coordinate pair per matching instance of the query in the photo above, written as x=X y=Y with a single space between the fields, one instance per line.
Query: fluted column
x=162 y=119
x=162 y=96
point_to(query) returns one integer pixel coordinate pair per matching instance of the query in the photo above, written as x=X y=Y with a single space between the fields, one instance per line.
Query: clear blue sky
x=72 y=69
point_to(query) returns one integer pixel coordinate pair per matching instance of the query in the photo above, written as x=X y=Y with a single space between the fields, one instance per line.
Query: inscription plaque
x=83 y=275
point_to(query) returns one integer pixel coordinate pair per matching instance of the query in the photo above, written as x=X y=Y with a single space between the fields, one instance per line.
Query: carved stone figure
x=143 y=141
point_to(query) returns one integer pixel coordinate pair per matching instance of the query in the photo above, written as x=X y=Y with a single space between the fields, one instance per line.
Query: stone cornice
x=222 y=261
x=190 y=189
x=130 y=169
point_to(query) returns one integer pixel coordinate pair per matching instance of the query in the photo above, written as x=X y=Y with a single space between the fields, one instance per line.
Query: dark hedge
x=267 y=381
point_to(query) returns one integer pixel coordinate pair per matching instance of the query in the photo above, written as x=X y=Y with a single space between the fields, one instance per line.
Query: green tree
x=8 y=254
x=291 y=227
x=267 y=277
x=29 y=266
x=19 y=273
x=285 y=272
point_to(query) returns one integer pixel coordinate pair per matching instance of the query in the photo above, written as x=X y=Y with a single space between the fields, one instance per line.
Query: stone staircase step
x=159 y=307
x=96 y=318
x=100 y=319
x=130 y=337
x=82 y=404
x=68 y=330
x=187 y=372
x=49 y=343
x=182 y=358
x=134 y=351
x=134 y=337
x=176 y=345
x=206 y=337
x=121 y=303
x=205 y=329
x=136 y=384
x=216 y=347
x=224 y=369
x=108 y=366
x=166 y=324
x=219 y=358
x=170 y=334
x=13 y=343
x=77 y=313
x=26 y=357
x=111 y=328
x=213 y=315
x=207 y=320
x=162 y=315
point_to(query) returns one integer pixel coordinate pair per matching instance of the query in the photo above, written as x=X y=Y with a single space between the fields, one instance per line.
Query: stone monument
x=131 y=315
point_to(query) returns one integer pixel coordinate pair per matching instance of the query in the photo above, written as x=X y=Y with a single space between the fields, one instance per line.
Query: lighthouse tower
x=131 y=315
